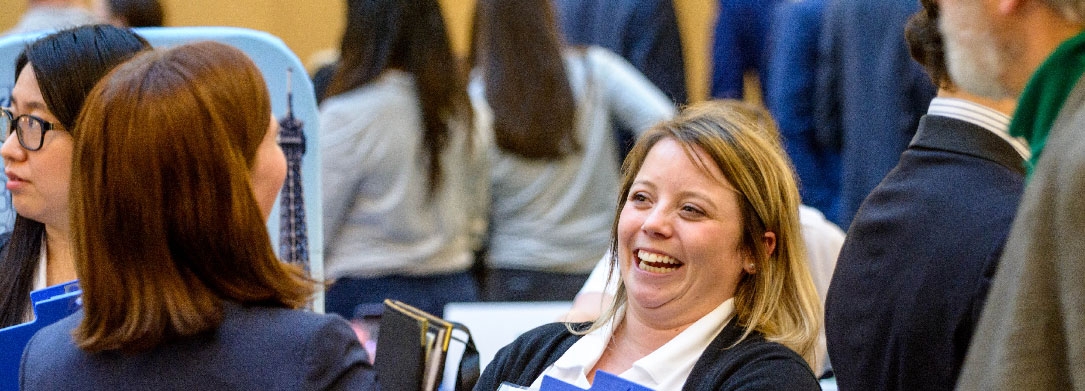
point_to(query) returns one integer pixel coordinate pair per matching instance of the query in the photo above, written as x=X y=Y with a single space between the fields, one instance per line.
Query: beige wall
x=309 y=26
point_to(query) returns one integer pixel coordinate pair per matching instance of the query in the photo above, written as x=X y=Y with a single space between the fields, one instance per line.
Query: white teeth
x=656 y=258
x=646 y=258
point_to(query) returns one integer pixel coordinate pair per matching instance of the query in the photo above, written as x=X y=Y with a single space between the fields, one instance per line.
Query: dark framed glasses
x=29 y=129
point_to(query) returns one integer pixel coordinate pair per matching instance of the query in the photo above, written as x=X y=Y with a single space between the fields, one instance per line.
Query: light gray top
x=556 y=216
x=378 y=219
x=41 y=18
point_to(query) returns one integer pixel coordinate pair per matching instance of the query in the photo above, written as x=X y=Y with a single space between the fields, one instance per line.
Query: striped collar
x=979 y=115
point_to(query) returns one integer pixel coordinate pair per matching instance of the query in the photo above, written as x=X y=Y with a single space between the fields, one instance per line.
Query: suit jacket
x=790 y=92
x=644 y=32
x=870 y=93
x=1033 y=336
x=254 y=348
x=915 y=267
x=753 y=364
x=740 y=45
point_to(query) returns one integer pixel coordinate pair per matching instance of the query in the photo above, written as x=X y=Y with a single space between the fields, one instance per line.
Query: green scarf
x=1045 y=93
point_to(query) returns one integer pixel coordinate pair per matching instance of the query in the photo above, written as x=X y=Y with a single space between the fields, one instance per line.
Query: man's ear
x=1006 y=7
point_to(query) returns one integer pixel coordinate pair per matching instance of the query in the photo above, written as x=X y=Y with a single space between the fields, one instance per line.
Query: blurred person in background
x=130 y=13
x=643 y=32
x=554 y=157
x=52 y=15
x=870 y=94
x=404 y=184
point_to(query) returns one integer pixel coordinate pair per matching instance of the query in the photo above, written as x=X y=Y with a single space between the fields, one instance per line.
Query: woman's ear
x=769 y=240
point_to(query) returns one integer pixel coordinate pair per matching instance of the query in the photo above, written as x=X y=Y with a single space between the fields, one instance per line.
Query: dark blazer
x=644 y=32
x=740 y=45
x=915 y=268
x=254 y=349
x=870 y=93
x=789 y=93
x=753 y=364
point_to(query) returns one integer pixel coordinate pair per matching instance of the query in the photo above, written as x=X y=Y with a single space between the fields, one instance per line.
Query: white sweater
x=378 y=219
x=556 y=216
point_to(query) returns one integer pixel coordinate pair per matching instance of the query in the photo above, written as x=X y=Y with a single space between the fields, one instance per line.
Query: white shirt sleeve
x=597 y=280
x=631 y=97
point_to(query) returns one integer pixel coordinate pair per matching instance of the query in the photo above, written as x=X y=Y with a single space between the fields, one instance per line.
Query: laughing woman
x=713 y=291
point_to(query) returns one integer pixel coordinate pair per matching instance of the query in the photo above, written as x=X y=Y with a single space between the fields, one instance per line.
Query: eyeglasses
x=29 y=129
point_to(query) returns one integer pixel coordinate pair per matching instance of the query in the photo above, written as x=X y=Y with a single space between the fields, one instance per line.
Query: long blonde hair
x=779 y=301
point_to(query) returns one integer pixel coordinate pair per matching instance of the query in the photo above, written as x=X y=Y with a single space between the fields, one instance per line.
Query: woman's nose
x=11 y=150
x=658 y=222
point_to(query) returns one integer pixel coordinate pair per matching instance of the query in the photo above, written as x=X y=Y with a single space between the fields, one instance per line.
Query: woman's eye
x=692 y=211
x=638 y=197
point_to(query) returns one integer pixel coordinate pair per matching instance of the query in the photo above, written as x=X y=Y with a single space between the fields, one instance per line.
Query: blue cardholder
x=50 y=305
x=603 y=382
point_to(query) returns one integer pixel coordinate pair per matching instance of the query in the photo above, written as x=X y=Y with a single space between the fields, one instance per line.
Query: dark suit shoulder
x=253 y=348
x=901 y=307
x=48 y=351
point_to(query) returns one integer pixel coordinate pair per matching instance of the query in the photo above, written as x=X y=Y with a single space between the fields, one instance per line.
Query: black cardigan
x=753 y=364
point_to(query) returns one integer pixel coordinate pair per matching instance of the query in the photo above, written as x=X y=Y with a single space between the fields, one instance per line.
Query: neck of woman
x=59 y=264
x=635 y=337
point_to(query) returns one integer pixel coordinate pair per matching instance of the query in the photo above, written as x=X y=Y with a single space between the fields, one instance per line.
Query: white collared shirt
x=664 y=369
x=41 y=279
x=982 y=116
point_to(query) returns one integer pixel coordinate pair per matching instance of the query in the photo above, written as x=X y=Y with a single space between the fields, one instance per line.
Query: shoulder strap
x=469 y=370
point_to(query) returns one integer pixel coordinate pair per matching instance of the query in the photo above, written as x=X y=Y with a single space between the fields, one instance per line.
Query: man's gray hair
x=1072 y=10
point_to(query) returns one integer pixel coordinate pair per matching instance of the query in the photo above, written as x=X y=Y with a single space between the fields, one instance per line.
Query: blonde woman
x=713 y=292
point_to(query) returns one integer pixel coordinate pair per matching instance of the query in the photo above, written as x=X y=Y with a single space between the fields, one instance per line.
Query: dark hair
x=67 y=64
x=925 y=43
x=166 y=128
x=517 y=48
x=137 y=13
x=408 y=35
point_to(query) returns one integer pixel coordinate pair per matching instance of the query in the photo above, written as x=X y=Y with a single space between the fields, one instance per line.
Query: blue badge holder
x=604 y=381
x=50 y=305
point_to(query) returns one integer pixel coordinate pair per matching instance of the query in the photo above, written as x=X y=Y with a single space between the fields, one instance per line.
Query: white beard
x=975 y=58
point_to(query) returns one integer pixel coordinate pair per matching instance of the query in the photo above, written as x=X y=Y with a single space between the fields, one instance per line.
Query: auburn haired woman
x=179 y=169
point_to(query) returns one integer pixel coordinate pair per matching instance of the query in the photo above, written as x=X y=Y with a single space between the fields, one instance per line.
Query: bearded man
x=1032 y=332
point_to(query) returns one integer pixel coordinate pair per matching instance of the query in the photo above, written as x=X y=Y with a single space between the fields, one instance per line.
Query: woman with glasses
x=53 y=76
x=178 y=172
